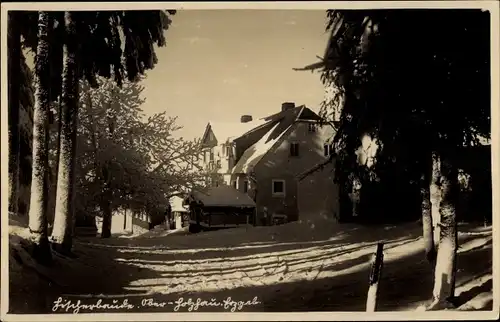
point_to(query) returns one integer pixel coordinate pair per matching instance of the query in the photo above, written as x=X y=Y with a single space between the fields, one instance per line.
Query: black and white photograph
x=205 y=161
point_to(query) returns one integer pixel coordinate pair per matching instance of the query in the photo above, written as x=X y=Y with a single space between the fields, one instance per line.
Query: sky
x=221 y=64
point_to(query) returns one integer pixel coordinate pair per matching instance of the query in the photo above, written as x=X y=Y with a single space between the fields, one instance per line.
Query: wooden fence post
x=375 y=273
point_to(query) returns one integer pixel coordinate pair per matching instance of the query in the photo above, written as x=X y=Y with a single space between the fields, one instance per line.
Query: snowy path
x=291 y=267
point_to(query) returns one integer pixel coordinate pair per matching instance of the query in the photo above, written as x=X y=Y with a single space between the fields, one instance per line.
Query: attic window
x=294 y=149
x=312 y=127
x=245 y=186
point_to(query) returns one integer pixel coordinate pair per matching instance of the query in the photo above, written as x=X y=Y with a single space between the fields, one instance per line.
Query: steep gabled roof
x=222 y=196
x=282 y=123
x=279 y=123
x=228 y=131
x=257 y=151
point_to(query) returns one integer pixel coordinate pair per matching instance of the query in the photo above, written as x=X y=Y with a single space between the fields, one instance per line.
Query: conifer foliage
x=69 y=47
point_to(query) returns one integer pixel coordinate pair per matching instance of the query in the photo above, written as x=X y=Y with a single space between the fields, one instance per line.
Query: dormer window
x=312 y=127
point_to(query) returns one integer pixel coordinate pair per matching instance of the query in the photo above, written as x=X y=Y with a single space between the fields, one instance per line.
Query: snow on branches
x=140 y=160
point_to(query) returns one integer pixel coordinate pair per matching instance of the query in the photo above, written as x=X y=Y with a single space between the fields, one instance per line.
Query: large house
x=265 y=157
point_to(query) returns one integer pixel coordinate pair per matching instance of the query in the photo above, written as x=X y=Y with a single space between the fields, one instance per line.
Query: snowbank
x=320 y=265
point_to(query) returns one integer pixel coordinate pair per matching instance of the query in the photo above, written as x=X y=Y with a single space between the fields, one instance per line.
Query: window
x=233 y=183
x=211 y=155
x=245 y=186
x=228 y=150
x=312 y=127
x=294 y=149
x=327 y=150
x=219 y=164
x=278 y=187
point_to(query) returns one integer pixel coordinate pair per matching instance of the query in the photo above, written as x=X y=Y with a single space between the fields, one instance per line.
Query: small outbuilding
x=219 y=207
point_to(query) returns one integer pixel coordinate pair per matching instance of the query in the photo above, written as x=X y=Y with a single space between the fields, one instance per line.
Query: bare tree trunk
x=445 y=272
x=62 y=232
x=40 y=173
x=427 y=220
x=427 y=227
x=101 y=173
x=435 y=196
x=107 y=192
x=55 y=174
x=106 y=218
x=124 y=220
x=14 y=70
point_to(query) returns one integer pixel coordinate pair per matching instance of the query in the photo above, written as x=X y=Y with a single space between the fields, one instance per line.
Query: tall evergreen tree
x=14 y=85
x=405 y=79
x=93 y=46
x=39 y=181
x=64 y=212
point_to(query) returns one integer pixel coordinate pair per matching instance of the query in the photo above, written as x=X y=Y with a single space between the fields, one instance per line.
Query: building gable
x=208 y=139
x=282 y=123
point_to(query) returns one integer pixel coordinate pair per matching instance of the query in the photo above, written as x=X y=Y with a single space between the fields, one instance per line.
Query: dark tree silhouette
x=14 y=65
x=93 y=45
x=97 y=38
x=417 y=84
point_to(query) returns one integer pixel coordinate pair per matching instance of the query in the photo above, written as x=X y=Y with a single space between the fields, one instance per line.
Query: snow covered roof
x=278 y=124
x=176 y=204
x=228 y=131
x=282 y=122
x=254 y=153
x=223 y=196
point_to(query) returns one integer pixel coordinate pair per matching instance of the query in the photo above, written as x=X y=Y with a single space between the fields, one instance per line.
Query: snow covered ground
x=294 y=267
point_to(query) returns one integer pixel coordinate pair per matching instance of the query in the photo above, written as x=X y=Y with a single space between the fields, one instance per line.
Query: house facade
x=264 y=158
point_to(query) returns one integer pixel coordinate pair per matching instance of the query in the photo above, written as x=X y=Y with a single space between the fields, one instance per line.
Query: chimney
x=287 y=105
x=246 y=118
